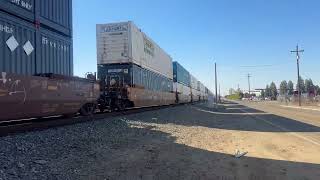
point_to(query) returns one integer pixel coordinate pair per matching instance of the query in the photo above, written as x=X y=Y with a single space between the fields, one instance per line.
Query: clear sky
x=233 y=33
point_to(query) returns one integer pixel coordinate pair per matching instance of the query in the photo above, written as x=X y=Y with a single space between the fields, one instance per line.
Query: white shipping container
x=182 y=89
x=202 y=88
x=125 y=43
x=194 y=82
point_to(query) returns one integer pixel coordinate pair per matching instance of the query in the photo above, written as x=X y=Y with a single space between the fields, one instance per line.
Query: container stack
x=181 y=79
x=36 y=37
x=194 y=88
x=124 y=42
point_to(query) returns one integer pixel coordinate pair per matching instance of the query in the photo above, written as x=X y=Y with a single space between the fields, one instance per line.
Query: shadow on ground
x=232 y=117
x=117 y=149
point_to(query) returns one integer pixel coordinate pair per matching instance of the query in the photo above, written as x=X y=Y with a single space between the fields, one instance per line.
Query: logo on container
x=115 y=28
x=23 y=4
x=6 y=29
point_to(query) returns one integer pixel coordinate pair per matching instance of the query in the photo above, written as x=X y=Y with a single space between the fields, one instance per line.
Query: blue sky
x=233 y=33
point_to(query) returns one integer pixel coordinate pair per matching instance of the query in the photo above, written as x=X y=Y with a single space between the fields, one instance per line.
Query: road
x=183 y=142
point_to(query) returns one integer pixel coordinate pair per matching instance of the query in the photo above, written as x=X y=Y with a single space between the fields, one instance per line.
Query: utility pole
x=249 y=76
x=216 y=82
x=219 y=94
x=297 y=51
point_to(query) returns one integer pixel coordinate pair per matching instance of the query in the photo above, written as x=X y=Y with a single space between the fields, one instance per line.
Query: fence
x=306 y=100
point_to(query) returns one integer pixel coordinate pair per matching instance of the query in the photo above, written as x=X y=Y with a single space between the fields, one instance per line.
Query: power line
x=253 y=66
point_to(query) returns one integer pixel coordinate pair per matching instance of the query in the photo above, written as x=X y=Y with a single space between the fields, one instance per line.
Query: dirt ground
x=185 y=142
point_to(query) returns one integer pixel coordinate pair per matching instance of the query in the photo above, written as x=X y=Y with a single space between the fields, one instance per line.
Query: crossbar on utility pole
x=297 y=51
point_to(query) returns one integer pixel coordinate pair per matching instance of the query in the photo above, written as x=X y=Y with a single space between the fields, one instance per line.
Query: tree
x=283 y=88
x=274 y=91
x=317 y=90
x=302 y=85
x=290 y=88
x=267 y=93
x=309 y=85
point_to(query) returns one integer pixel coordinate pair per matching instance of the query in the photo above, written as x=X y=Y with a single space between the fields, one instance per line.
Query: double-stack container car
x=36 y=65
x=181 y=83
x=132 y=68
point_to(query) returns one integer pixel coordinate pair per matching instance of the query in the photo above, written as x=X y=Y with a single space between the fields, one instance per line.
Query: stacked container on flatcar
x=133 y=70
x=194 y=89
x=36 y=37
x=181 y=80
x=37 y=61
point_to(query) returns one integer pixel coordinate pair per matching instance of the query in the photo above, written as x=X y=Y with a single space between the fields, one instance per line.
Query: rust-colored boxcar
x=44 y=95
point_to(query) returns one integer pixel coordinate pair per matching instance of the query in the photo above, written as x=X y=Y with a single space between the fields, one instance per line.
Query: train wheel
x=101 y=108
x=121 y=106
x=87 y=109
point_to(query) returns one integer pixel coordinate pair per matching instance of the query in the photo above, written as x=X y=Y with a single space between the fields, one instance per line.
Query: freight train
x=36 y=69
x=135 y=72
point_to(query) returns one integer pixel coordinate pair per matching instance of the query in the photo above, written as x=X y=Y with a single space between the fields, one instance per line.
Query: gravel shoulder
x=184 y=142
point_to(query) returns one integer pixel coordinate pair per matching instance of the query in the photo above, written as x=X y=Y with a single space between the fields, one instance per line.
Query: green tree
x=290 y=88
x=283 y=88
x=302 y=85
x=317 y=90
x=309 y=85
x=274 y=91
x=267 y=92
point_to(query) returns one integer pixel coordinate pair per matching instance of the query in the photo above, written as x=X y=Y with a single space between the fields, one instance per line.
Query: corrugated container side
x=180 y=74
x=24 y=9
x=148 y=54
x=113 y=43
x=182 y=89
x=57 y=15
x=194 y=82
x=14 y=34
x=125 y=43
x=27 y=50
x=53 y=14
x=55 y=54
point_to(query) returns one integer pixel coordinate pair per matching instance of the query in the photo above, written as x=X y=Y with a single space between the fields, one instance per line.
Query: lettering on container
x=22 y=4
x=115 y=70
x=115 y=28
x=6 y=29
x=53 y=44
x=148 y=47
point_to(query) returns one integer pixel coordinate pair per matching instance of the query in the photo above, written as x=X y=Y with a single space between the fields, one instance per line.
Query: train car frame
x=46 y=95
x=129 y=85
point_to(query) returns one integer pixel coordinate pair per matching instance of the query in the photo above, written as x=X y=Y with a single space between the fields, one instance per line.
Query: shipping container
x=201 y=87
x=180 y=74
x=195 y=95
x=135 y=76
x=193 y=82
x=125 y=43
x=28 y=50
x=183 y=93
x=55 y=15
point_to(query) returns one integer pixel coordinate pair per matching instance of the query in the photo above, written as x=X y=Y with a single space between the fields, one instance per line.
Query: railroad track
x=38 y=124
